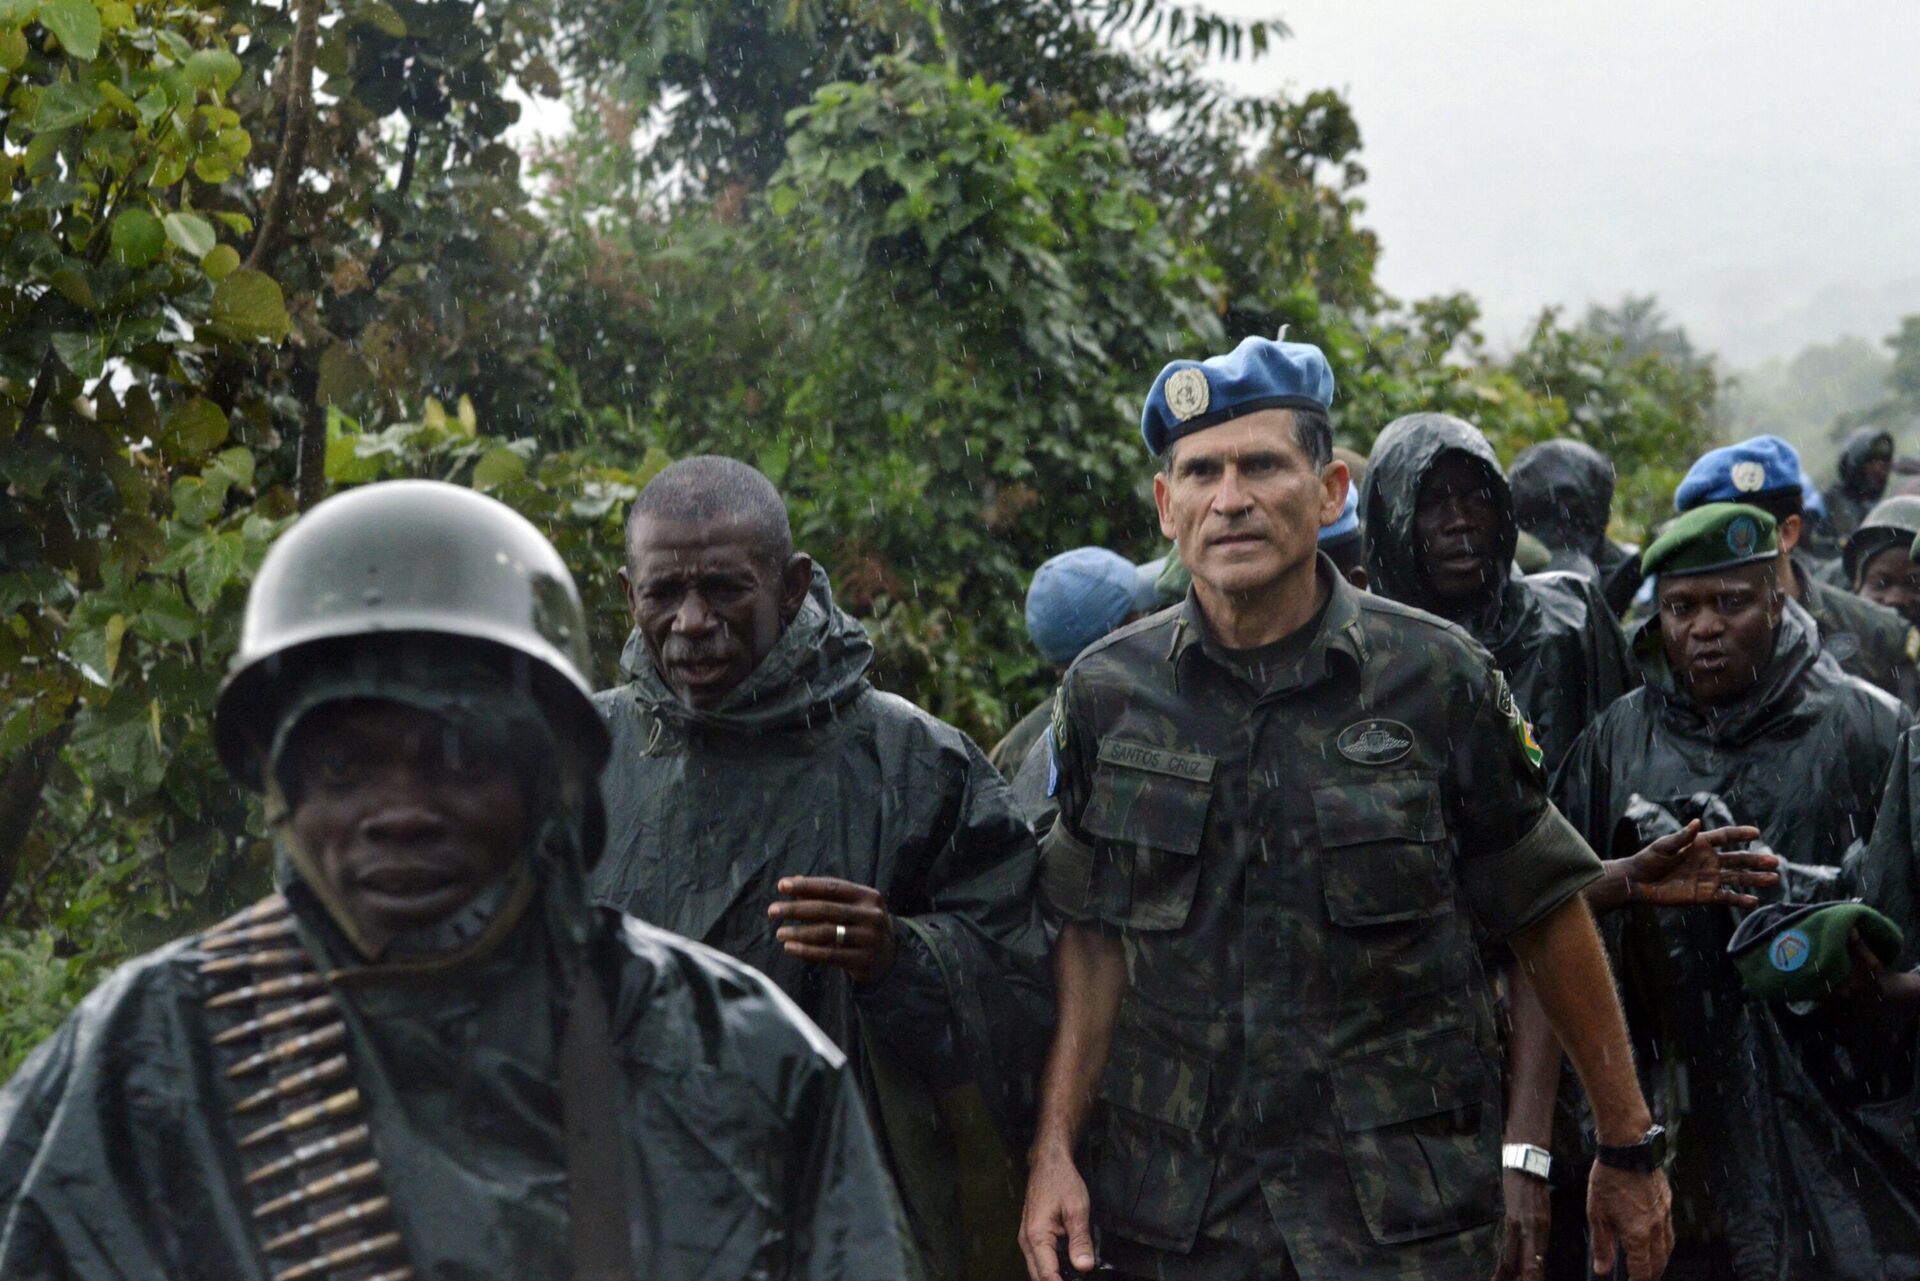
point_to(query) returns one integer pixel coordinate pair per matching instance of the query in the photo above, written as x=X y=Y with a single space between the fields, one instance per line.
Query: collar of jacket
x=818 y=666
x=1340 y=630
x=1773 y=704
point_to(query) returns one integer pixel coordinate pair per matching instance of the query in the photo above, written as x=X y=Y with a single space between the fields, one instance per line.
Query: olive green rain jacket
x=742 y=1141
x=1552 y=634
x=1789 y=1128
x=806 y=769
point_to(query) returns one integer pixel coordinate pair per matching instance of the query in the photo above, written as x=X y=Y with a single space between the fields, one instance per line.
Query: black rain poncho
x=1849 y=500
x=1563 y=495
x=806 y=769
x=1551 y=634
x=744 y=1144
x=1789 y=1124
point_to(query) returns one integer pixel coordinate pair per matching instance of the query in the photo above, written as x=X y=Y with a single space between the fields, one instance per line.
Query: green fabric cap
x=1801 y=953
x=1713 y=536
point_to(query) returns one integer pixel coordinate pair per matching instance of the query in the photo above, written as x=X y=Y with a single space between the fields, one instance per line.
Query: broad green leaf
x=152 y=105
x=464 y=413
x=345 y=466
x=237 y=464
x=175 y=44
x=209 y=561
x=221 y=262
x=138 y=238
x=75 y=23
x=198 y=500
x=194 y=429
x=214 y=67
x=13 y=48
x=248 y=304
x=167 y=619
x=343 y=375
x=380 y=16
x=211 y=169
x=64 y=105
x=434 y=415
x=83 y=353
x=190 y=862
x=191 y=232
x=18 y=13
x=72 y=285
x=497 y=467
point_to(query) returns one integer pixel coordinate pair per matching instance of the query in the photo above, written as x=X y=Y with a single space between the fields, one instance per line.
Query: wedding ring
x=839 y=936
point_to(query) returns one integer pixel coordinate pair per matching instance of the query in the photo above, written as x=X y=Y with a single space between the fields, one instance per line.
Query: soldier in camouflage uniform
x=1285 y=808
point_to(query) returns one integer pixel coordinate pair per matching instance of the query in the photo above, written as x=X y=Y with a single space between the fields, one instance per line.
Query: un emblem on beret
x=1790 y=951
x=1188 y=393
x=1749 y=478
x=1742 y=534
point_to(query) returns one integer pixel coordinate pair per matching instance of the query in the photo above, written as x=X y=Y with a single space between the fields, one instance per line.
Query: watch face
x=1656 y=1142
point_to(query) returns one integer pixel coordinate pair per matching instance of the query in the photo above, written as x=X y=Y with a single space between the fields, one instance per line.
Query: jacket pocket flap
x=1131 y=804
x=1426 y=1075
x=1390 y=807
x=1162 y=1084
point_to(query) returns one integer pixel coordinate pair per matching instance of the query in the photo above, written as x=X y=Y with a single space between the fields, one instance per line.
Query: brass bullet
x=351 y=1177
x=298 y=1083
x=273 y=959
x=308 y=1153
x=272 y=932
x=305 y=1012
x=320 y=1039
x=290 y=985
x=346 y=1254
x=344 y=1103
x=330 y=1223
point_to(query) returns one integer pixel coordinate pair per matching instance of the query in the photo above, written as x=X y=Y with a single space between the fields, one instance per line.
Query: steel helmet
x=400 y=558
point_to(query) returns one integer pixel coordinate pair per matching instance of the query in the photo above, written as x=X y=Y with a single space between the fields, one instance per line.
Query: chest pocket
x=1147 y=813
x=1384 y=851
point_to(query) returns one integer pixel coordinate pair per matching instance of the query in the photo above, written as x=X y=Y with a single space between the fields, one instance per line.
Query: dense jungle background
x=917 y=261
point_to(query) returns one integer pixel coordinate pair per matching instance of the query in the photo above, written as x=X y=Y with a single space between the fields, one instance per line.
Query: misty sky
x=1756 y=164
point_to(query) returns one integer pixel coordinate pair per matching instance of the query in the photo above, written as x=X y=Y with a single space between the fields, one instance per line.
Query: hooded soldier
x=1440 y=536
x=1866 y=461
x=426 y=1055
x=1563 y=495
x=1743 y=719
x=766 y=800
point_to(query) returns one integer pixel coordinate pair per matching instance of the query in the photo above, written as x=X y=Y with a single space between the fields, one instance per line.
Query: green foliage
x=917 y=262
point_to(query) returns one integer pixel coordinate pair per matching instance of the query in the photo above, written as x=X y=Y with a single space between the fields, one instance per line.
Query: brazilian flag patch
x=1522 y=728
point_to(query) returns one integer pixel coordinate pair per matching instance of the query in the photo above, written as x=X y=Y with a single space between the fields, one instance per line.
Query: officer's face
x=403 y=820
x=1891 y=578
x=1456 y=521
x=707 y=602
x=1718 y=630
x=1245 y=503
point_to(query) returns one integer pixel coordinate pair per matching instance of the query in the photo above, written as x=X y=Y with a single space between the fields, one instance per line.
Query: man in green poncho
x=765 y=799
x=427 y=1056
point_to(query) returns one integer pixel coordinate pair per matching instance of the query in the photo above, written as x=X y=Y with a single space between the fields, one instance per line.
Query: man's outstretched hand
x=1694 y=868
x=814 y=915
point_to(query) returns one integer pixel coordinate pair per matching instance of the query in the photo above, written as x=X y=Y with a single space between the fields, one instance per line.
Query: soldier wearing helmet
x=426 y=1055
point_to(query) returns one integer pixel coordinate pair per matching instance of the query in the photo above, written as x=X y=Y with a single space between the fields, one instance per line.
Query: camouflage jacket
x=1867 y=640
x=1298 y=873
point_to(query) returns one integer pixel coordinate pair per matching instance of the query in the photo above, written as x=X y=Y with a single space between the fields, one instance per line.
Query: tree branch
x=298 y=124
x=21 y=784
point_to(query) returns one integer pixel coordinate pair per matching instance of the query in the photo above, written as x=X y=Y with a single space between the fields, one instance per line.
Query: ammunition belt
x=320 y=1204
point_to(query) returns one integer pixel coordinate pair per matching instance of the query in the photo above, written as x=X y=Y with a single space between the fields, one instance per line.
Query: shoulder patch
x=1374 y=742
x=1522 y=728
x=1913 y=645
x=1059 y=725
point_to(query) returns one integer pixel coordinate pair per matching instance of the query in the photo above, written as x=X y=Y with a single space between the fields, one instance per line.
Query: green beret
x=1710 y=537
x=1800 y=953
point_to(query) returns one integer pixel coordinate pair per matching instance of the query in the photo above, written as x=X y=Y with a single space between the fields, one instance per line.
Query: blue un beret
x=1735 y=473
x=1076 y=598
x=1258 y=374
x=1349 y=522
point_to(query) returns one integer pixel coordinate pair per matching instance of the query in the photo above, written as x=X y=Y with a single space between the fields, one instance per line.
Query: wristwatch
x=1650 y=1153
x=1526 y=1158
